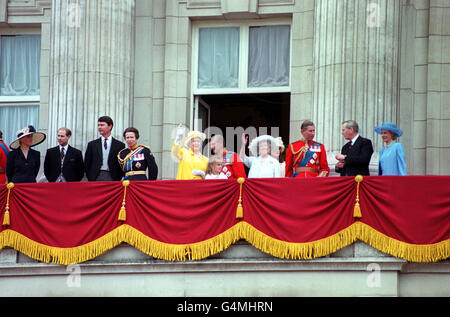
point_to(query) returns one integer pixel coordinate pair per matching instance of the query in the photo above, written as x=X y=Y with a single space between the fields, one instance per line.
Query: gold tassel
x=6 y=220
x=123 y=212
x=357 y=209
x=239 y=210
x=6 y=217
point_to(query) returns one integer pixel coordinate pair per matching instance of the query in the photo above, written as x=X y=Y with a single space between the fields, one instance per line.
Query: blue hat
x=390 y=127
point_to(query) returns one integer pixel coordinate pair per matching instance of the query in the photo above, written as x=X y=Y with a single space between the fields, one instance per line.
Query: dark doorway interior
x=250 y=110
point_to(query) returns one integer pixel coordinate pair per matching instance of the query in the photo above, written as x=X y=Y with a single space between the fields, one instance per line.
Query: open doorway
x=252 y=114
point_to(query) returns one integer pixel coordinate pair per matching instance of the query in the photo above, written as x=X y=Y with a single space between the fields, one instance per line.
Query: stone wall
x=241 y=270
x=340 y=68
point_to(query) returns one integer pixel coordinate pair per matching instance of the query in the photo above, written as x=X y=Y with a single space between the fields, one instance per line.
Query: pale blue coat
x=392 y=160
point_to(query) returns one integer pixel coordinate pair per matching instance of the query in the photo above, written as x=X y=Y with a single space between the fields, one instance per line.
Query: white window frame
x=244 y=26
x=16 y=105
x=19 y=100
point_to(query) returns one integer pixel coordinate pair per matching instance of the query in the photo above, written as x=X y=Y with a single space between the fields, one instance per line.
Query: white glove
x=198 y=173
x=179 y=133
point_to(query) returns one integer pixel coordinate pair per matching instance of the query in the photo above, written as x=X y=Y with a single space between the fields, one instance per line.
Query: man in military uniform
x=306 y=157
x=232 y=164
x=135 y=159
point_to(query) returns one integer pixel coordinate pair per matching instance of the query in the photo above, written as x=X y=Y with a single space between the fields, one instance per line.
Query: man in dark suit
x=63 y=163
x=100 y=159
x=355 y=155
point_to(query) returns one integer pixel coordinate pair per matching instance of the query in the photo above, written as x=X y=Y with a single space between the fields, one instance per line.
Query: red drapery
x=407 y=217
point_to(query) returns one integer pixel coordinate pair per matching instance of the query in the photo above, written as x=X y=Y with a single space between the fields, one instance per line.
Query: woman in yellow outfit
x=192 y=163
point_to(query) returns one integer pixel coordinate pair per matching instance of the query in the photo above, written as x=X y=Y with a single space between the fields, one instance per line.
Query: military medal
x=138 y=165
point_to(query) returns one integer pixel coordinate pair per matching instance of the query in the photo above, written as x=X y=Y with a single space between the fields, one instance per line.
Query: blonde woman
x=214 y=169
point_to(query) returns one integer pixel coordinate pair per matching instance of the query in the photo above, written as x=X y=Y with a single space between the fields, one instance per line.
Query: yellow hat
x=193 y=134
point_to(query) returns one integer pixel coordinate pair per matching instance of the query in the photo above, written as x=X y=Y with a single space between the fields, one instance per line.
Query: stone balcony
x=241 y=270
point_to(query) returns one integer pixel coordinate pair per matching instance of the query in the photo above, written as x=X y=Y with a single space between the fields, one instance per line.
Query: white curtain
x=15 y=118
x=218 y=57
x=268 y=60
x=20 y=64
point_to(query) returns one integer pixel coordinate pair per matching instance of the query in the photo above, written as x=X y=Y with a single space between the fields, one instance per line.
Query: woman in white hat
x=188 y=151
x=23 y=163
x=261 y=163
x=277 y=155
x=392 y=156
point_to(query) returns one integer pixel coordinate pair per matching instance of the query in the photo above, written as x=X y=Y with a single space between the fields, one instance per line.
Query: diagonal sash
x=4 y=148
x=128 y=160
x=305 y=159
x=308 y=154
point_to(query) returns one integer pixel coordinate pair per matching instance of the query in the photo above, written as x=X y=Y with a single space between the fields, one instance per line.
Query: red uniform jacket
x=233 y=166
x=3 y=154
x=312 y=157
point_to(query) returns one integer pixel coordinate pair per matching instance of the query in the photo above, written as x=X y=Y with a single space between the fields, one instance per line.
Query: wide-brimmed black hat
x=38 y=137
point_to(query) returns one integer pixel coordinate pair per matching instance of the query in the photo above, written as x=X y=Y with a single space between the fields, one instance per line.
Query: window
x=241 y=57
x=19 y=83
x=20 y=63
x=15 y=117
x=268 y=56
x=218 y=57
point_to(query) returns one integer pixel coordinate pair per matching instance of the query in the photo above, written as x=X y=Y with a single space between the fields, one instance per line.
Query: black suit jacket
x=358 y=157
x=20 y=169
x=93 y=159
x=73 y=168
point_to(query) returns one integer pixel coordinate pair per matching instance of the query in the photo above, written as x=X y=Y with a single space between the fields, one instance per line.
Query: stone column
x=438 y=90
x=91 y=67
x=413 y=83
x=355 y=68
x=176 y=80
x=303 y=38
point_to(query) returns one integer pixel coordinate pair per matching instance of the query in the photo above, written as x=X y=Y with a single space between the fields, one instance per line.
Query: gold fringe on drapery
x=242 y=230
x=182 y=252
x=124 y=233
x=410 y=252
x=290 y=250
x=65 y=256
x=356 y=231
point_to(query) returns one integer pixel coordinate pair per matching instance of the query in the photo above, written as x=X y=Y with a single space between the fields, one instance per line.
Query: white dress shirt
x=61 y=176
x=105 y=153
x=354 y=139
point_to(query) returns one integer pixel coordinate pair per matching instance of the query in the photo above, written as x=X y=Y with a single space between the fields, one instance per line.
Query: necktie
x=105 y=145
x=62 y=153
